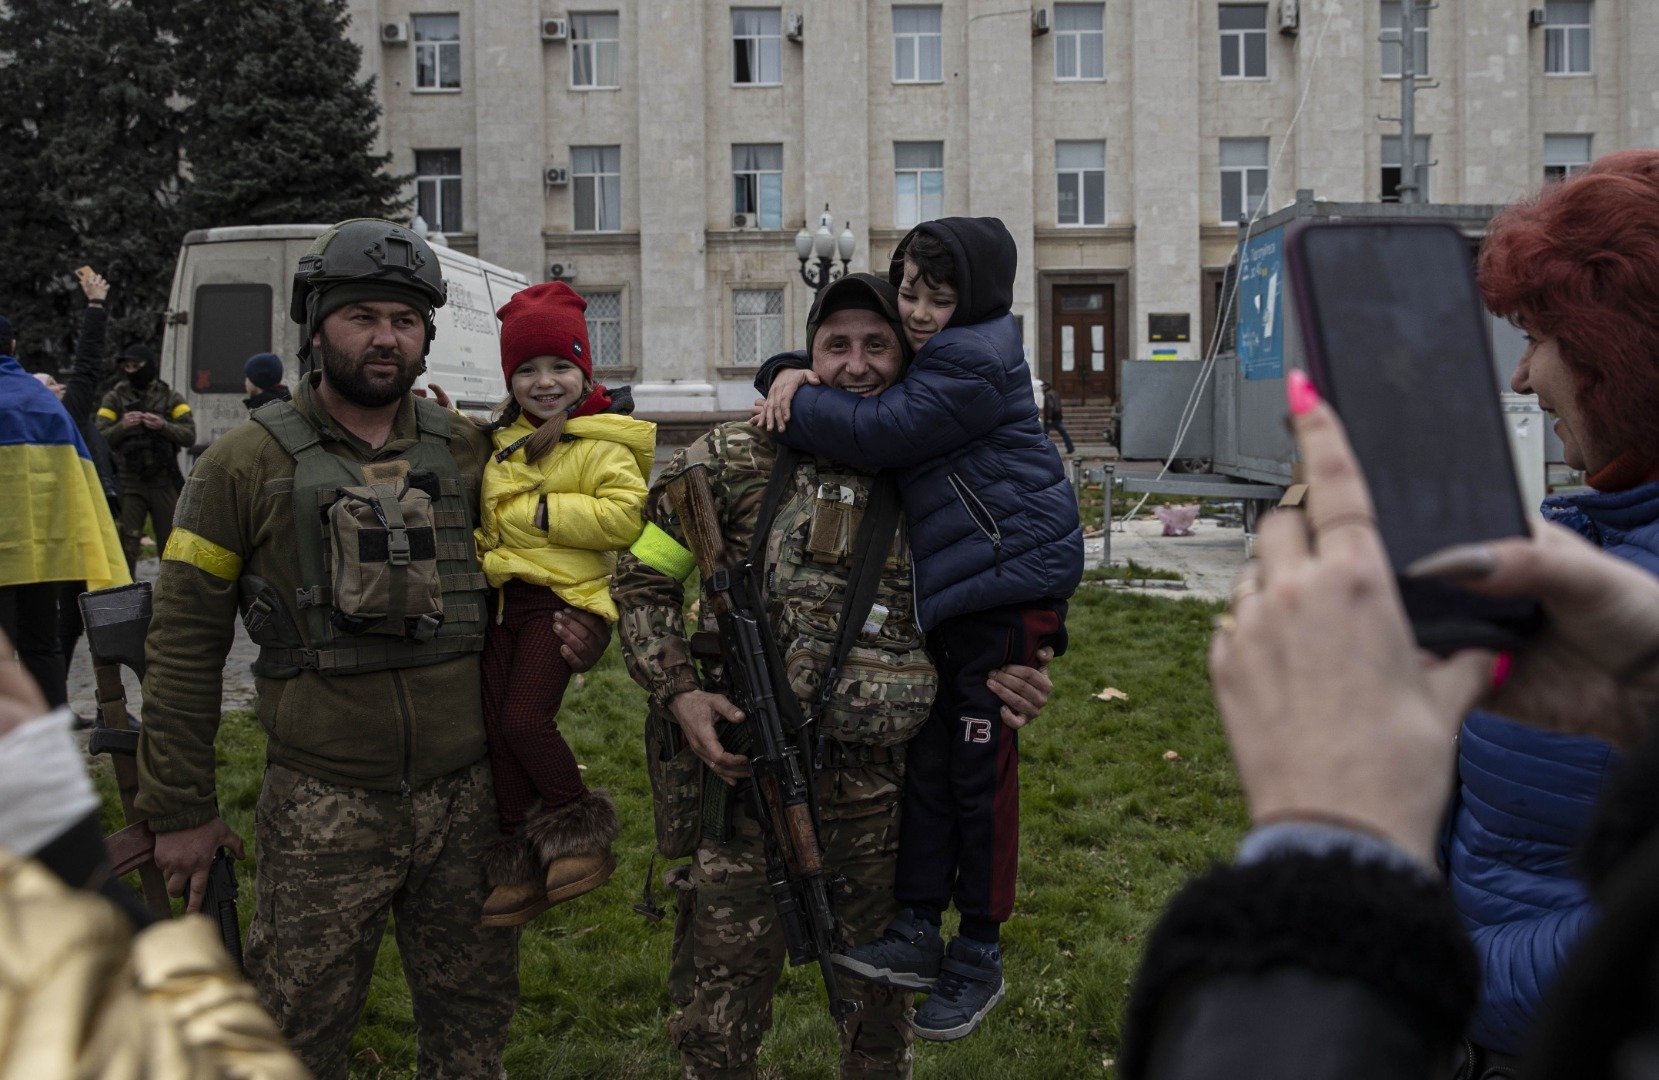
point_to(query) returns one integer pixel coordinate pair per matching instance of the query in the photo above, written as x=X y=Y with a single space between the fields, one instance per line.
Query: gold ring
x=1224 y=623
x=1340 y=521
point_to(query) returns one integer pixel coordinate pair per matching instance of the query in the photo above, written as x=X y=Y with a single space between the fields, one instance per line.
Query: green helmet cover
x=379 y=260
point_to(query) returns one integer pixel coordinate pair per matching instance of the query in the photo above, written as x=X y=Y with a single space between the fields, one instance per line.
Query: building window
x=757 y=183
x=1391 y=167
x=1565 y=155
x=1243 y=179
x=757 y=325
x=594 y=44
x=438 y=188
x=1566 y=37
x=1079 y=41
x=596 y=173
x=1392 y=55
x=1243 y=41
x=916 y=45
x=605 y=328
x=437 y=51
x=757 y=46
x=1080 y=179
x=918 y=182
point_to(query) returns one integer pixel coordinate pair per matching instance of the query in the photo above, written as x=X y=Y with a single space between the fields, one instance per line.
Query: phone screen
x=1397 y=342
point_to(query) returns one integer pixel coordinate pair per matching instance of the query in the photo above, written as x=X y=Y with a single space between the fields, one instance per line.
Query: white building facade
x=662 y=154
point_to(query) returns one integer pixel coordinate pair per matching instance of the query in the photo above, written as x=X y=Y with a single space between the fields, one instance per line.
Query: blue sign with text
x=1261 y=306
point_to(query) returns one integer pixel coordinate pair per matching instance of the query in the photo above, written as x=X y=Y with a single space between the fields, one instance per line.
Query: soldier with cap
x=729 y=948
x=341 y=524
x=146 y=424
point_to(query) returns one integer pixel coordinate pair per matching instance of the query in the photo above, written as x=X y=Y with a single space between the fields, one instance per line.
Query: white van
x=230 y=300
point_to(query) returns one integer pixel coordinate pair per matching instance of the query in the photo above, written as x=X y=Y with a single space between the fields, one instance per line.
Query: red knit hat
x=544 y=320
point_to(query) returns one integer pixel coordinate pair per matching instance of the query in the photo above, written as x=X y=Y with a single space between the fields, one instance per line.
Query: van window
x=229 y=324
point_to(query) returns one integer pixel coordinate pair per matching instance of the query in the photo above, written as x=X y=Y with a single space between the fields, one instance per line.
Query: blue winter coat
x=992 y=518
x=1523 y=802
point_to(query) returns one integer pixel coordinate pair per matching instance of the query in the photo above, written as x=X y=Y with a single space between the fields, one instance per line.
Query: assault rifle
x=780 y=791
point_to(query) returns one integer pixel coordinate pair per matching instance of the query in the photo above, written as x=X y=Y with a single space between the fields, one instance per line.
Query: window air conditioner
x=557 y=176
x=561 y=271
x=1039 y=22
x=794 y=27
x=394 y=33
x=744 y=221
x=1289 y=16
x=555 y=29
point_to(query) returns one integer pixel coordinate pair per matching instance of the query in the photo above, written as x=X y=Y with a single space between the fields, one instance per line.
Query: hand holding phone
x=1396 y=340
x=92 y=284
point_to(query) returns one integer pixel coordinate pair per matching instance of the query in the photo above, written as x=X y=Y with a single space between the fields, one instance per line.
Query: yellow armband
x=661 y=552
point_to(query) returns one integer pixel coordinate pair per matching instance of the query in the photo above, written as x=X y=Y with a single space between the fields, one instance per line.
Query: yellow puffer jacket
x=80 y=996
x=594 y=485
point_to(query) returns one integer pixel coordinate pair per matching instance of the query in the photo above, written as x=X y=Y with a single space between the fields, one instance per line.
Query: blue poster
x=1261 y=306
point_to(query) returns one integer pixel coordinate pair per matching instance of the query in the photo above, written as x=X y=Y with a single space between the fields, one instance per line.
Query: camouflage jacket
x=887 y=683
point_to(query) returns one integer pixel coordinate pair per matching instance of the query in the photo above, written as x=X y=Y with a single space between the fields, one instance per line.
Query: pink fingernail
x=1299 y=392
x=1502 y=664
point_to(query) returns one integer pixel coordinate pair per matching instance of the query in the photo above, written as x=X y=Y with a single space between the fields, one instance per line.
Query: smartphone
x=1396 y=340
x=82 y=273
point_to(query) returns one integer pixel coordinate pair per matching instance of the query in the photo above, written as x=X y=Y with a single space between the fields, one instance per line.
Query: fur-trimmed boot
x=515 y=881
x=573 y=843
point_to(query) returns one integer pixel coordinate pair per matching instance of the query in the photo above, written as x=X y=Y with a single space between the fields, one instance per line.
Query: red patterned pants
x=524 y=681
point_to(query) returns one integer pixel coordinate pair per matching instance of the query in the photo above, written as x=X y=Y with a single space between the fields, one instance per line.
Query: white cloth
x=44 y=788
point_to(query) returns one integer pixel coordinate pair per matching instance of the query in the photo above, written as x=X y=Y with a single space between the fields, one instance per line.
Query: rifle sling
x=870 y=548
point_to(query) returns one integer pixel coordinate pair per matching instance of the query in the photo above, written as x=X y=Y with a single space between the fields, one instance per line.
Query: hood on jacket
x=639 y=437
x=985 y=258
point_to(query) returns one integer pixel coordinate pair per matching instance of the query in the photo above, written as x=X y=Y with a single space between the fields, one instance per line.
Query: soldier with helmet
x=340 y=526
x=146 y=424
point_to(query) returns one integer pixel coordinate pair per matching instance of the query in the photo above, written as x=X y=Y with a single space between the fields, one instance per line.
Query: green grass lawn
x=1110 y=828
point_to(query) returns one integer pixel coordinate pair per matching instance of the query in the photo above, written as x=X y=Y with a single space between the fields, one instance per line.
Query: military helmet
x=374 y=260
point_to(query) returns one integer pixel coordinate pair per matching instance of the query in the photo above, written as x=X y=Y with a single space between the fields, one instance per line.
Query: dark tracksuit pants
x=959 y=833
x=524 y=682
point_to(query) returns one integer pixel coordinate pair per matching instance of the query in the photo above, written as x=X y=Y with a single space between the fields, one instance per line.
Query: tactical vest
x=886 y=685
x=353 y=533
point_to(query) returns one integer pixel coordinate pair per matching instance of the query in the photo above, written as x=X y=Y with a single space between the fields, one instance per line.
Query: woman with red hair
x=1576 y=268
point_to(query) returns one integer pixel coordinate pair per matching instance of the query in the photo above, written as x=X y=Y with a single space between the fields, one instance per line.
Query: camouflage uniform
x=377 y=796
x=729 y=951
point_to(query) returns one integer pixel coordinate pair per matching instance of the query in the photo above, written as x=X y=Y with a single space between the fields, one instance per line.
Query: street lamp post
x=825 y=248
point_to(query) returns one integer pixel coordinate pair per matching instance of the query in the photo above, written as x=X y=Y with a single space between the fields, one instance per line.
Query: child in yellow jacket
x=562 y=494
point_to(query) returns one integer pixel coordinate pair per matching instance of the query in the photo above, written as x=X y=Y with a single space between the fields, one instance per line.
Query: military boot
x=573 y=844
x=516 y=894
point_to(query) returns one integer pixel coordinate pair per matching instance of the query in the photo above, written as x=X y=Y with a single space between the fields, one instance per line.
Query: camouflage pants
x=333 y=862
x=729 y=941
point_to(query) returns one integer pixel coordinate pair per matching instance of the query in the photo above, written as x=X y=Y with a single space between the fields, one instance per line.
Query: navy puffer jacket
x=1524 y=800
x=992 y=518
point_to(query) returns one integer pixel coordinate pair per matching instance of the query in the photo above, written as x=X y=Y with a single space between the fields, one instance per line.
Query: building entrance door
x=1082 y=365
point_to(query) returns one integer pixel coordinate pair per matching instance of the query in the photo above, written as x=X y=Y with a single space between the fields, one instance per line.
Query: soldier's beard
x=349 y=378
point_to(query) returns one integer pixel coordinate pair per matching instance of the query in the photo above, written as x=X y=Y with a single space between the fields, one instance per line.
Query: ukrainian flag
x=55 y=523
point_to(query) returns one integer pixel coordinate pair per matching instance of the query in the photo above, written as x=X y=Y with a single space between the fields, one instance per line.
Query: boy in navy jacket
x=998 y=547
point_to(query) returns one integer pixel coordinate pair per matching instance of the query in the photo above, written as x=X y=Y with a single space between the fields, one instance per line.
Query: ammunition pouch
x=676 y=775
x=268 y=624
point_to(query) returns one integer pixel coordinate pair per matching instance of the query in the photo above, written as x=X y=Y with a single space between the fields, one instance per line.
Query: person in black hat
x=146 y=424
x=262 y=378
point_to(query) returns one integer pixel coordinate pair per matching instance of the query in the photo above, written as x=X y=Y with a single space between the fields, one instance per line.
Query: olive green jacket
x=142 y=454
x=383 y=730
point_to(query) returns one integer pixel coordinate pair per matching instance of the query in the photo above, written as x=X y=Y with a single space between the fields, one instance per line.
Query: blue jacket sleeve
x=1518 y=963
x=782 y=361
x=939 y=406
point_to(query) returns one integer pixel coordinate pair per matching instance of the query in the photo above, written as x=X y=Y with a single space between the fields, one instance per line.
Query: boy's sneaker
x=970 y=986
x=907 y=954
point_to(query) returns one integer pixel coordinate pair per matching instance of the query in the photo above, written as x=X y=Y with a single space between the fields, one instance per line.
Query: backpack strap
x=432 y=419
x=869 y=556
x=783 y=474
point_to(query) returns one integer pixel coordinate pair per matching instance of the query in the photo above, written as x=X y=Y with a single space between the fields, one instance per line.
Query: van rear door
x=466 y=353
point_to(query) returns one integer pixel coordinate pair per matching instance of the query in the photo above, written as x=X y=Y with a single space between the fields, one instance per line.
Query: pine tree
x=92 y=168
x=278 y=126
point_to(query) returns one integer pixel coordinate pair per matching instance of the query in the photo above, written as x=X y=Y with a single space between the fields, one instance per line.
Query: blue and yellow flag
x=55 y=523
